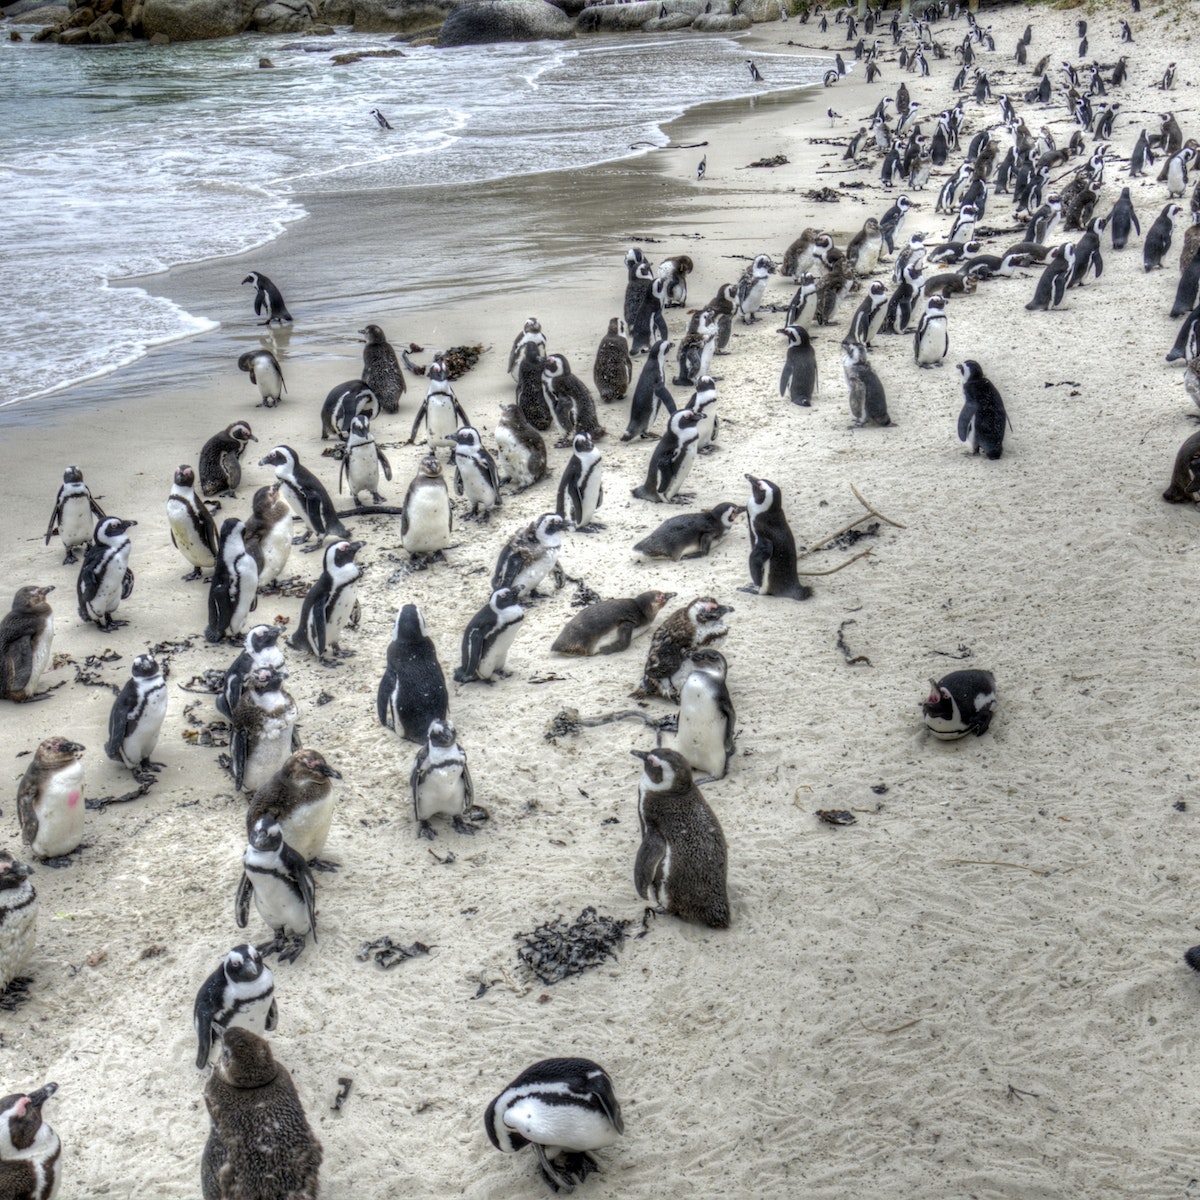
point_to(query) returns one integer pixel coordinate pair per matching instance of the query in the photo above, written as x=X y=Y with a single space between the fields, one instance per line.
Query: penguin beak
x=722 y=609
x=45 y=591
x=330 y=772
x=73 y=747
x=253 y=438
x=642 y=754
x=357 y=546
x=38 y=1098
x=19 y=869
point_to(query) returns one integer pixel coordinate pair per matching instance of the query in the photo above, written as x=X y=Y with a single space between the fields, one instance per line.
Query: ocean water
x=123 y=161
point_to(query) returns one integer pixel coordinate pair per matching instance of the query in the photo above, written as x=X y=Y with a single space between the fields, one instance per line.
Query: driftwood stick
x=835 y=570
x=873 y=510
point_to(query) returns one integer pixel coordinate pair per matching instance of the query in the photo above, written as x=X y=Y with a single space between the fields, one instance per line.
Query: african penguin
x=696 y=625
x=50 y=803
x=26 y=638
x=260 y=649
x=798 y=381
x=672 y=458
x=18 y=918
x=959 y=704
x=412 y=692
x=263 y=369
x=299 y=798
x=488 y=636
x=263 y=728
x=363 y=461
x=136 y=718
x=382 y=372
x=331 y=601
x=343 y=403
x=651 y=395
x=427 y=518
x=692 y=535
x=267 y=298
x=282 y=886
x=75 y=514
x=268 y=534
x=520 y=449
x=307 y=496
x=931 y=342
x=219 y=464
x=609 y=626
x=570 y=401
x=706 y=729
x=241 y=992
x=440 y=410
x=581 y=489
x=868 y=402
x=530 y=555
x=982 y=421
x=440 y=781
x=29 y=1148
x=475 y=474
x=193 y=531
x=233 y=591
x=772 y=546
x=105 y=578
x=612 y=372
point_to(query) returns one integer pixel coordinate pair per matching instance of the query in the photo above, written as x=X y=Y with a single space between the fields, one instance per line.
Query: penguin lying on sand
x=959 y=704
x=610 y=625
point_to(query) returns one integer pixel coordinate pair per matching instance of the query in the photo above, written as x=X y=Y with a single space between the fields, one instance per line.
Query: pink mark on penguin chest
x=73 y=797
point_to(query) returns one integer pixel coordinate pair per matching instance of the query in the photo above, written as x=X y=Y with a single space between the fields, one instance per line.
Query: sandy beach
x=977 y=990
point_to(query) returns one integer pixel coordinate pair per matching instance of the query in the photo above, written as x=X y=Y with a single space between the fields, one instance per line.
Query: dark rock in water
x=345 y=60
x=265 y=63
x=14 y=36
x=505 y=21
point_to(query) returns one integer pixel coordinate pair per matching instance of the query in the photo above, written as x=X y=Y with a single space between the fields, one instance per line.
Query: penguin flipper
x=726 y=709
x=460 y=412
x=421 y=414
x=759 y=557
x=665 y=398
x=458 y=479
x=241 y=902
x=127 y=584
x=273 y=1014
x=202 y=1019
x=118 y=725
x=965 y=419
x=16 y=666
x=472 y=653
x=260 y=302
x=383 y=698
x=785 y=378
x=300 y=872
x=647 y=868
x=343 y=472
x=315 y=627
x=54 y=518
x=384 y=465
x=468 y=788
x=237 y=754
x=602 y=1093
x=414 y=781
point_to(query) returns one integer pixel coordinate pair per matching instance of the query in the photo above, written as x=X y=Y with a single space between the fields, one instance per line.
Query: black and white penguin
x=50 y=803
x=1088 y=259
x=382 y=372
x=1186 y=294
x=331 y=601
x=240 y=992
x=1121 y=220
x=931 y=342
x=697 y=347
x=260 y=650
x=380 y=119
x=868 y=317
x=283 y=889
x=440 y=410
x=1177 y=171
x=520 y=449
x=1158 y=237
x=692 y=535
x=982 y=421
x=18 y=918
x=892 y=221
x=440 y=781
x=649 y=323
x=651 y=395
x=755 y=74
x=412 y=692
x=307 y=496
x=26 y=638
x=219 y=464
x=475 y=474
x=609 y=626
x=362 y=462
x=136 y=718
x=612 y=372
x=960 y=703
x=104 y=577
x=723 y=304
x=868 y=402
x=530 y=555
x=1052 y=286
x=962 y=229
x=675 y=271
x=343 y=403
x=638 y=278
x=259 y=1142
x=263 y=728
x=233 y=592
x=267 y=298
x=268 y=534
x=488 y=637
x=581 y=489
x=531 y=334
x=264 y=371
x=193 y=531
x=772 y=546
x=570 y=401
x=426 y=518
x=693 y=627
x=564 y=1108
x=672 y=458
x=29 y=1149
x=702 y=167
x=798 y=381
x=1185 y=474
x=706 y=728
x=75 y=514
x=752 y=287
x=704 y=401
x=1141 y=157
x=682 y=861
x=803 y=306
x=299 y=798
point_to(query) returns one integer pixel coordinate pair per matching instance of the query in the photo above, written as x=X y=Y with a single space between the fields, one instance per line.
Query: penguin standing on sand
x=240 y=992
x=521 y=450
x=264 y=724
x=50 y=803
x=803 y=306
x=581 y=489
x=1088 y=259
x=692 y=535
x=264 y=371
x=697 y=347
x=531 y=334
x=693 y=627
x=299 y=797
x=267 y=298
x=799 y=378
x=220 y=465
x=105 y=578
x=702 y=167
x=193 y=531
x=330 y=603
x=682 y=861
x=982 y=421
x=772 y=546
x=569 y=399
x=638 y=278
x=283 y=889
x=672 y=459
x=649 y=324
x=651 y=396
x=362 y=462
x=868 y=317
x=75 y=514
x=412 y=692
x=675 y=271
x=1052 y=286
x=706 y=729
x=440 y=410
x=440 y=781
x=704 y=401
x=1158 y=237
x=1141 y=156
x=475 y=474
x=612 y=372
x=137 y=715
x=426 y=518
x=268 y=534
x=26 y=638
x=260 y=650
x=233 y=592
x=18 y=918
x=488 y=636
x=381 y=369
x=530 y=555
x=868 y=401
x=530 y=395
x=1121 y=219
x=752 y=287
x=609 y=626
x=29 y=1149
x=931 y=342
x=959 y=704
x=306 y=495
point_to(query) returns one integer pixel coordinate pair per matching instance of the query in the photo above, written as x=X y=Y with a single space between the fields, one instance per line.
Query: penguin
x=264 y=371
x=26 y=638
x=892 y=221
x=381 y=369
x=682 y=860
x=136 y=718
x=704 y=401
x=564 y=1108
x=1104 y=123
x=1141 y=157
x=440 y=781
x=798 y=380
x=260 y=650
x=343 y=403
x=697 y=347
x=832 y=290
x=1121 y=219
x=475 y=474
x=868 y=403
x=18 y=919
x=963 y=227
x=412 y=692
x=706 y=729
x=267 y=298
x=299 y=798
x=220 y=466
x=331 y=601
x=1052 y=285
x=282 y=886
x=693 y=627
x=74 y=510
x=867 y=319
x=521 y=450
x=1191 y=380
x=1185 y=474
x=772 y=546
x=612 y=372
x=581 y=489
x=260 y=1143
x=426 y=519
x=531 y=333
x=50 y=803
x=723 y=304
x=1087 y=254
x=803 y=306
x=1126 y=32
x=268 y=534
x=1121 y=70
x=638 y=278
x=864 y=248
x=1158 y=237
x=1187 y=341
x=960 y=703
x=651 y=395
x=1186 y=297
x=755 y=73
x=1191 y=238
x=233 y=592
x=752 y=287
x=1041 y=223
x=800 y=255
x=104 y=577
x=263 y=729
x=982 y=421
x=702 y=167
x=530 y=396
x=29 y=1148
x=675 y=271
x=380 y=119
x=1168 y=80
x=530 y=555
x=240 y=992
x=649 y=324
x=306 y=495
x=610 y=626
x=362 y=462
x=193 y=531
x=569 y=399
x=692 y=535
x=488 y=637
x=440 y=410
x=931 y=342
x=672 y=459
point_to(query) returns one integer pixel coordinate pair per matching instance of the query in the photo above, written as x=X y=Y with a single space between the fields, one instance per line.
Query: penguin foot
x=378 y=499
x=569 y=1168
x=682 y=498
x=70 y=558
x=324 y=864
x=564 y=443
x=711 y=448
x=427 y=831
x=463 y=827
x=476 y=814
x=61 y=860
x=303 y=537
x=147 y=765
x=308 y=549
x=191 y=575
x=590 y=527
x=111 y=623
x=290 y=949
x=751 y=589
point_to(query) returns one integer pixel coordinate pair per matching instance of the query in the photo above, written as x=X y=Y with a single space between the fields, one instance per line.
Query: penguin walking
x=426 y=518
x=265 y=373
x=672 y=459
x=682 y=861
x=959 y=704
x=612 y=372
x=706 y=729
x=26 y=638
x=982 y=421
x=220 y=466
x=569 y=399
x=581 y=489
x=692 y=535
x=136 y=718
x=868 y=402
x=18 y=919
x=520 y=449
x=299 y=798
x=692 y=627
x=752 y=288
x=412 y=693
x=283 y=889
x=564 y=1108
x=440 y=781
x=362 y=462
x=381 y=369
x=104 y=577
x=475 y=475
x=268 y=534
x=440 y=410
x=264 y=725
x=260 y=650
x=331 y=602
x=931 y=342
x=75 y=514
x=651 y=396
x=1052 y=286
x=798 y=380
x=1121 y=220
x=241 y=993
x=50 y=803
x=307 y=496
x=772 y=546
x=29 y=1149
x=233 y=592
x=1088 y=259
x=609 y=626
x=267 y=298
x=530 y=555
x=1158 y=237
x=193 y=531
x=488 y=636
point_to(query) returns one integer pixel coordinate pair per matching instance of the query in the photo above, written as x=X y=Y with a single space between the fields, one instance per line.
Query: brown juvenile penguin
x=799 y=256
x=1185 y=475
x=610 y=625
x=260 y=1146
x=612 y=371
x=299 y=796
x=29 y=1148
x=26 y=634
x=18 y=922
x=268 y=534
x=50 y=804
x=681 y=863
x=689 y=628
x=381 y=369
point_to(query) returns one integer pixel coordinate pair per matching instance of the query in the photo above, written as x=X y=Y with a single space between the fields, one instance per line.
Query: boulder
x=283 y=16
x=72 y=37
x=720 y=23
x=761 y=10
x=396 y=16
x=615 y=18
x=159 y=39
x=196 y=20
x=505 y=21
x=40 y=13
x=100 y=33
x=666 y=24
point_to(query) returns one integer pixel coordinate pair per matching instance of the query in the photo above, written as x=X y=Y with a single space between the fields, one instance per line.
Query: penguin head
x=262 y=636
x=727 y=513
x=307 y=767
x=266 y=679
x=57 y=752
x=550 y=528
x=12 y=873
x=32 y=599
x=556 y=366
x=1171 y=211
x=246 y=1060
x=503 y=598
x=796 y=335
x=686 y=420
x=360 y=426
x=706 y=611
x=185 y=477
x=654 y=602
x=243 y=964
x=374 y=335
x=763 y=265
x=441 y=734
x=616 y=327
x=583 y=443
x=437 y=370
x=251 y=278
x=240 y=431
x=110 y=529
x=970 y=371
x=72 y=475
x=634 y=255
x=876 y=291
x=764 y=495
x=664 y=770
x=936 y=303
x=854 y=354
x=468 y=437
x=706 y=393
x=532 y=351
x=430 y=468
x=410 y=625
x=643 y=271
x=145 y=667
x=266 y=834
x=903 y=203
x=232 y=527
x=340 y=554
x=21 y=1118
x=711 y=662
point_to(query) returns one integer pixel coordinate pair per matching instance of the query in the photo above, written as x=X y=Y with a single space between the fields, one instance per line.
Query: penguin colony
x=566 y=1109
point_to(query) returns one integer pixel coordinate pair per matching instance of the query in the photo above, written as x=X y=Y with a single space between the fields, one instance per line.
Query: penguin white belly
x=754 y=297
x=76 y=523
x=590 y=496
x=141 y=742
x=295 y=499
x=494 y=658
x=428 y=521
x=108 y=590
x=701 y=730
x=441 y=421
x=934 y=344
x=476 y=487
x=532 y=574
x=306 y=828
x=18 y=933
x=279 y=905
x=706 y=429
x=269 y=380
x=683 y=470
x=706 y=354
x=60 y=813
x=247 y=571
x=275 y=548
x=610 y=637
x=441 y=793
x=946 y=730
x=868 y=256
x=363 y=469
x=564 y=1126
x=268 y=754
x=186 y=535
x=339 y=614
x=42 y=649
x=514 y=457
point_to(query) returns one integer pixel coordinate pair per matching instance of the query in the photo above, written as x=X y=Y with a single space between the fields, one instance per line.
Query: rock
x=265 y=64
x=73 y=37
x=100 y=33
x=505 y=21
x=337 y=12
x=398 y=16
x=345 y=60
x=666 y=24
x=320 y=30
x=159 y=39
x=14 y=36
x=283 y=16
x=760 y=10
x=720 y=23
x=606 y=18
x=44 y=14
x=196 y=20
